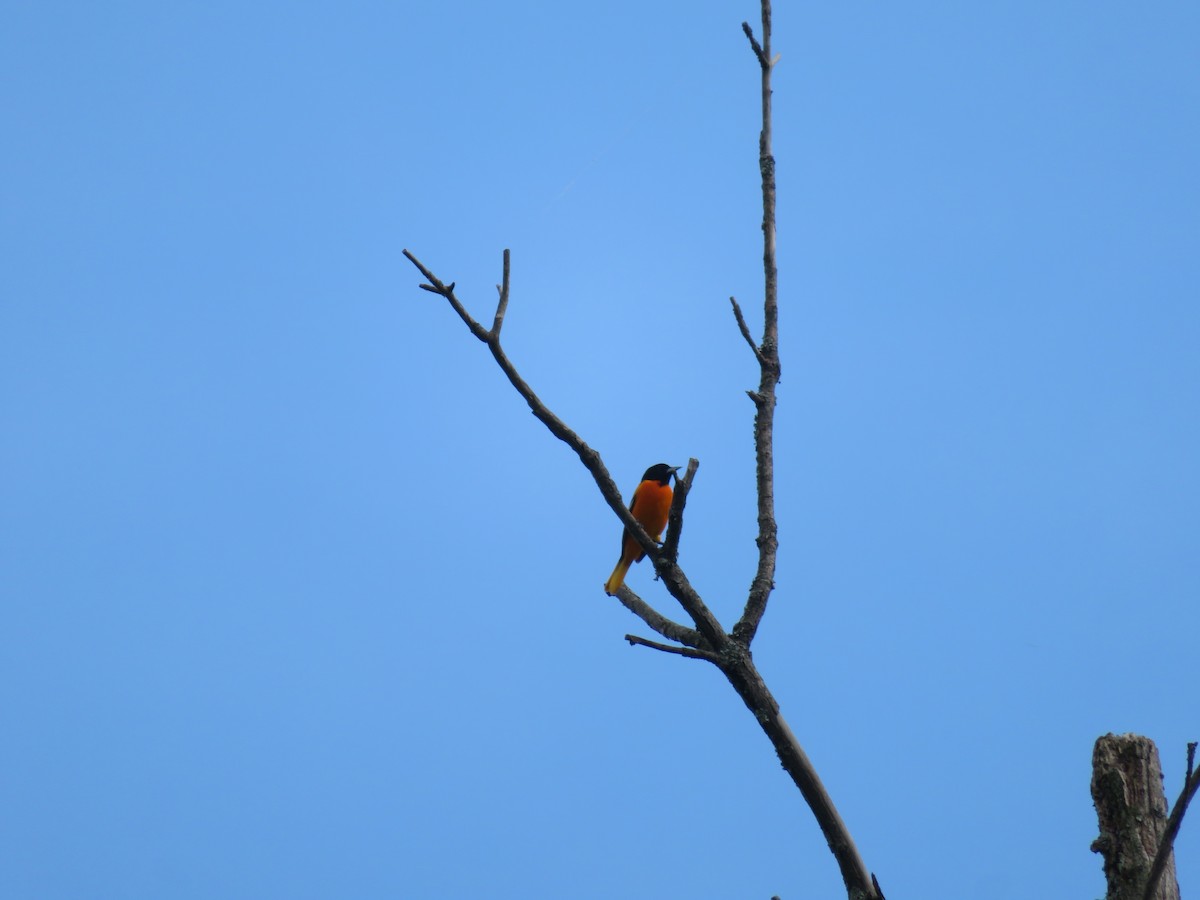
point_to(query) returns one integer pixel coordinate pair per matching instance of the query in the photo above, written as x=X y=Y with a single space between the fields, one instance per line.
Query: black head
x=661 y=473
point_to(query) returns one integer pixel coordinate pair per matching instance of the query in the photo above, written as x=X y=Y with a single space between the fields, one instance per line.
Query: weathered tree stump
x=1127 y=788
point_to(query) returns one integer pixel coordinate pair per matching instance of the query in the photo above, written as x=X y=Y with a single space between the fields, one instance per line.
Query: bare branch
x=736 y=662
x=739 y=668
x=668 y=628
x=758 y=51
x=768 y=357
x=689 y=652
x=669 y=571
x=498 y=322
x=435 y=286
x=1190 y=785
x=670 y=549
x=741 y=320
x=655 y=620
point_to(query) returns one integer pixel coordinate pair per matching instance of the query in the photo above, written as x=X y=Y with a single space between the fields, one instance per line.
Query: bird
x=650 y=505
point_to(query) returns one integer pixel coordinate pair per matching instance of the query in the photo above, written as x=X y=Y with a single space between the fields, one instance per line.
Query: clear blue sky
x=298 y=599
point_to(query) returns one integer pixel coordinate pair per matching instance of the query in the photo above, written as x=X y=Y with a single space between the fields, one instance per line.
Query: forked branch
x=667 y=568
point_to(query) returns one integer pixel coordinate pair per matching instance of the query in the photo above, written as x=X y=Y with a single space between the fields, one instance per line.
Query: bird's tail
x=617 y=578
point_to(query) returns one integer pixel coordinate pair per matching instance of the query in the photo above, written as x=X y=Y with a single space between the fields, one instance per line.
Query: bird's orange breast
x=651 y=506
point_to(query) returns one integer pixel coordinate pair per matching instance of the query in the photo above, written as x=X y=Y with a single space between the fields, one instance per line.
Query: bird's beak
x=675 y=472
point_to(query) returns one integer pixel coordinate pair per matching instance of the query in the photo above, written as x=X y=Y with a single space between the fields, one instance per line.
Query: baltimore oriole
x=650 y=505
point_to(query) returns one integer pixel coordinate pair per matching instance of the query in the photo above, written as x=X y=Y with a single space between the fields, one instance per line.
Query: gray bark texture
x=1127 y=788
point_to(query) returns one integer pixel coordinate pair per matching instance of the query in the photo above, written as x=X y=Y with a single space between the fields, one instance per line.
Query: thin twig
x=758 y=51
x=1190 y=785
x=435 y=286
x=502 y=307
x=745 y=329
x=670 y=548
x=689 y=652
x=668 y=628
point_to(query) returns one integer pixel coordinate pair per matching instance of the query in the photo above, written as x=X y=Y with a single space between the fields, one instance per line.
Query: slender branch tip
x=690 y=652
x=755 y=46
x=745 y=330
x=502 y=306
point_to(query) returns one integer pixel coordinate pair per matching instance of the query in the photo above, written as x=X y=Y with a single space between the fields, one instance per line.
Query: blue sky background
x=299 y=600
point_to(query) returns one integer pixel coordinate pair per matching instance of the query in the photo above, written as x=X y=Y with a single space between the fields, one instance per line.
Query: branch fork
x=435 y=286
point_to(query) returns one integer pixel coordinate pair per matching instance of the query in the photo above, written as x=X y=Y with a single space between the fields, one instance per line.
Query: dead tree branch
x=745 y=330
x=739 y=668
x=690 y=652
x=672 y=576
x=670 y=548
x=1191 y=782
x=502 y=306
x=668 y=569
x=767 y=355
x=669 y=629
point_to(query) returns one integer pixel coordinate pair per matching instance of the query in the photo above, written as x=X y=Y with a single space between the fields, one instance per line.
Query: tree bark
x=735 y=661
x=1127 y=788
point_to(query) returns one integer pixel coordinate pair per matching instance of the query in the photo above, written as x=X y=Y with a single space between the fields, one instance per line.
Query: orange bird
x=650 y=505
